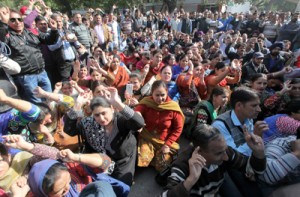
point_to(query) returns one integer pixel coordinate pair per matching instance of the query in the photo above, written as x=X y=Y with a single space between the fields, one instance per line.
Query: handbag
x=162 y=177
x=62 y=139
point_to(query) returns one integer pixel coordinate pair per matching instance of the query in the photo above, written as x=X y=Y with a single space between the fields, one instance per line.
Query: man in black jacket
x=26 y=51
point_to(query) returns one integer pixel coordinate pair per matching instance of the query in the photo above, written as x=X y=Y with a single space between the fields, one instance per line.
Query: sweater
x=211 y=177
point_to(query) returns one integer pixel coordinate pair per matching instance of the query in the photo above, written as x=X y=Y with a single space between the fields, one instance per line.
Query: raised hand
x=286 y=87
x=4 y=14
x=67 y=155
x=255 y=143
x=114 y=96
x=39 y=92
x=52 y=24
x=260 y=127
x=196 y=163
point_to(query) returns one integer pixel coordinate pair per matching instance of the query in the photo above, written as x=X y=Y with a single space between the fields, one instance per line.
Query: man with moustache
x=274 y=61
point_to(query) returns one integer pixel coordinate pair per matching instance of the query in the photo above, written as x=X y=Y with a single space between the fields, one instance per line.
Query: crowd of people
x=86 y=99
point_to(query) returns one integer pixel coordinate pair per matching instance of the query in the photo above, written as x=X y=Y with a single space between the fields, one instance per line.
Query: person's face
x=135 y=82
x=260 y=84
x=184 y=62
x=189 y=54
x=67 y=89
x=66 y=18
x=295 y=18
x=220 y=100
x=258 y=61
x=215 y=153
x=4 y=165
x=16 y=22
x=98 y=19
x=115 y=63
x=78 y=19
x=103 y=115
x=62 y=185
x=145 y=60
x=220 y=71
x=105 y=19
x=172 y=60
x=197 y=71
x=42 y=26
x=86 y=23
x=83 y=72
x=157 y=58
x=99 y=91
x=166 y=74
x=295 y=91
x=159 y=95
x=96 y=76
x=59 y=22
x=250 y=109
x=47 y=120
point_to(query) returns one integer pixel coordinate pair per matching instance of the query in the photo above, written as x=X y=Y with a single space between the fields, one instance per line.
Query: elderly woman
x=109 y=130
x=164 y=122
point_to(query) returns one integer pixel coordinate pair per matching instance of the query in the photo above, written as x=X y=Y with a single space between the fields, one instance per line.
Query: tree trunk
x=171 y=4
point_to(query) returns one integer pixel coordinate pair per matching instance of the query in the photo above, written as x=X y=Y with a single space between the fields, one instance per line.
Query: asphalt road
x=144 y=179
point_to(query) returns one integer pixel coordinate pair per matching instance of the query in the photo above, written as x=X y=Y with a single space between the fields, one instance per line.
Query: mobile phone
x=129 y=89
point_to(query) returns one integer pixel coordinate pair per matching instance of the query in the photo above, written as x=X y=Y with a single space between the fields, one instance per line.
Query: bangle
x=79 y=157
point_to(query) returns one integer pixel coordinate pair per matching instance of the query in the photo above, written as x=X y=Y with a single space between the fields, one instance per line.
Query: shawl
x=168 y=105
x=36 y=177
x=16 y=169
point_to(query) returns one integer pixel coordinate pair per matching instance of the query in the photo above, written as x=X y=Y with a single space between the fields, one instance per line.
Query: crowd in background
x=87 y=98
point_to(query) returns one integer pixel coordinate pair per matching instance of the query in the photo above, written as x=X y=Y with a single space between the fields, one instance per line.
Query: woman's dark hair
x=135 y=75
x=203 y=134
x=218 y=66
x=256 y=76
x=182 y=56
x=163 y=68
x=216 y=91
x=243 y=95
x=51 y=176
x=99 y=102
x=167 y=58
x=45 y=110
x=95 y=84
x=156 y=52
x=158 y=84
x=293 y=106
x=3 y=150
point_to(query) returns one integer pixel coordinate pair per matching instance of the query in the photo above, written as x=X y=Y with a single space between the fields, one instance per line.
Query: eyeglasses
x=13 y=20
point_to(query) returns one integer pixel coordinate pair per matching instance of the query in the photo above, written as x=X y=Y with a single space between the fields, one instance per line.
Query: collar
x=237 y=122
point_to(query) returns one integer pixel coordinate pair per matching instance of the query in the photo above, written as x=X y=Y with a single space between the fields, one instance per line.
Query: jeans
x=28 y=82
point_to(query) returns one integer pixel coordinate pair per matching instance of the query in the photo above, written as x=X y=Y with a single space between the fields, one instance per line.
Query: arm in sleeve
x=49 y=39
x=176 y=129
x=277 y=169
x=31 y=115
x=9 y=66
x=28 y=20
x=134 y=121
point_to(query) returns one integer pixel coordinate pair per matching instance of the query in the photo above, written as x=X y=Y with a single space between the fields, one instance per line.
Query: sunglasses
x=13 y=20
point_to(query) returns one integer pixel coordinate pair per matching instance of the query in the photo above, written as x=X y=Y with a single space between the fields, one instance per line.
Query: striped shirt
x=282 y=165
